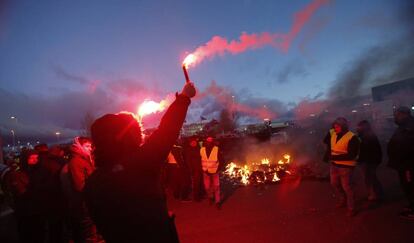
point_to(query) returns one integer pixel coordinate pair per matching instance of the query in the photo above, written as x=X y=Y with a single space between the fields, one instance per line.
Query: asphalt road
x=295 y=211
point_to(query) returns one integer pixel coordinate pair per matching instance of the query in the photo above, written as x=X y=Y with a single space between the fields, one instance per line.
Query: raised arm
x=161 y=140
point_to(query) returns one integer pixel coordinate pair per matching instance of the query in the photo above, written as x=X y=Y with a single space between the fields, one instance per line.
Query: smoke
x=389 y=61
x=215 y=98
x=219 y=45
x=294 y=69
x=315 y=26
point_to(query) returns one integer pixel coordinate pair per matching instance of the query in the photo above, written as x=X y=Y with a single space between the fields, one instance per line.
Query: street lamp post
x=57 y=136
x=13 y=131
x=14 y=139
x=232 y=106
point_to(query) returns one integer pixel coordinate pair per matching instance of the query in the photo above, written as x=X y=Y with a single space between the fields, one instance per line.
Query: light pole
x=232 y=106
x=13 y=118
x=57 y=136
x=13 y=131
x=14 y=139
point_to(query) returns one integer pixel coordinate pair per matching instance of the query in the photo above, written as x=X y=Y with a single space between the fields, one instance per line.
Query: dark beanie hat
x=115 y=134
x=342 y=122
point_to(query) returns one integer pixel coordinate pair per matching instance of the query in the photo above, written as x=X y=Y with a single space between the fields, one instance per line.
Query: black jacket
x=192 y=158
x=129 y=205
x=401 y=147
x=370 y=150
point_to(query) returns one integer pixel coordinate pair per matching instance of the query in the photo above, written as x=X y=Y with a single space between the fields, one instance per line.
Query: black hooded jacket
x=127 y=203
x=401 y=146
x=370 y=150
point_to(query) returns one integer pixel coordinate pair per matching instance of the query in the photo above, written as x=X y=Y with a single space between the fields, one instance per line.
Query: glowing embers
x=264 y=172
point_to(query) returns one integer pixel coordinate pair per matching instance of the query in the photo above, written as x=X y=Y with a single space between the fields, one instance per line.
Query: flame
x=275 y=178
x=189 y=60
x=258 y=173
x=287 y=158
x=265 y=161
x=245 y=174
x=148 y=107
x=230 y=170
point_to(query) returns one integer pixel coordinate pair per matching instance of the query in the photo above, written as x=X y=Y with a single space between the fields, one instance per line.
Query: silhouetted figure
x=193 y=160
x=370 y=156
x=29 y=187
x=125 y=195
x=73 y=177
x=401 y=156
x=178 y=177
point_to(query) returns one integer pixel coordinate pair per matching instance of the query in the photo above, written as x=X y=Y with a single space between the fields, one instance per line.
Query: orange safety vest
x=171 y=159
x=210 y=163
x=341 y=147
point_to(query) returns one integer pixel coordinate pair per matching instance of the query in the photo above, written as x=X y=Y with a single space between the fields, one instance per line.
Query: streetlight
x=57 y=135
x=14 y=138
x=14 y=118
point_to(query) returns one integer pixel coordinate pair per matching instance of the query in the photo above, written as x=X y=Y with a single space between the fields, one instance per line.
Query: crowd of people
x=44 y=187
x=346 y=151
x=112 y=187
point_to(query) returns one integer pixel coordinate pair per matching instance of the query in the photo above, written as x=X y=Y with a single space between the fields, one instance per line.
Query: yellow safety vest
x=341 y=147
x=210 y=163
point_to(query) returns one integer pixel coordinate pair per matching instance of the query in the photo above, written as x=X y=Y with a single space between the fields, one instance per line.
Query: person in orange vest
x=210 y=160
x=344 y=149
x=178 y=178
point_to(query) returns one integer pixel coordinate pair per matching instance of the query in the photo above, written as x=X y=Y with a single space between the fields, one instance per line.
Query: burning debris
x=264 y=172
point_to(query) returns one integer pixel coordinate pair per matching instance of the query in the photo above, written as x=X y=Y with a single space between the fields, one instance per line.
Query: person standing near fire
x=193 y=160
x=344 y=149
x=210 y=161
x=401 y=156
x=178 y=178
x=370 y=156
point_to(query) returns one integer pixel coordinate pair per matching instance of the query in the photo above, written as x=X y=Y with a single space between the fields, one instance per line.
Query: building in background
x=386 y=98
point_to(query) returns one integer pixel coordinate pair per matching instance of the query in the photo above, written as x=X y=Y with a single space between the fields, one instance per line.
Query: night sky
x=61 y=61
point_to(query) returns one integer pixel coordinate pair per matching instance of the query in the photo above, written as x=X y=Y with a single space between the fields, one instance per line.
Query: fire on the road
x=258 y=173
